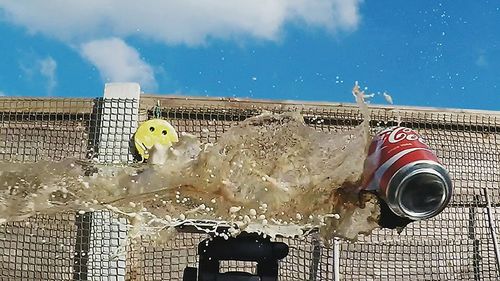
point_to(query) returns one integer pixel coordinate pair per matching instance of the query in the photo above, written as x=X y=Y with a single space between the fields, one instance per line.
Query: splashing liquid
x=271 y=174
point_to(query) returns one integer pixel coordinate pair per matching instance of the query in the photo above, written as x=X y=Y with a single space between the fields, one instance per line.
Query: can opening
x=423 y=195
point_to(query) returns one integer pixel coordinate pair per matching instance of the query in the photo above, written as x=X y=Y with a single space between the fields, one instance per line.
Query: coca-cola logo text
x=397 y=134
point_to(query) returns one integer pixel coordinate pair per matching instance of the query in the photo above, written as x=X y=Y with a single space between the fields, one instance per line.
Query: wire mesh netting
x=458 y=244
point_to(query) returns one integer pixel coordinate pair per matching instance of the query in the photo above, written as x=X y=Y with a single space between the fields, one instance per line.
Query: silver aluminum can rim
x=399 y=180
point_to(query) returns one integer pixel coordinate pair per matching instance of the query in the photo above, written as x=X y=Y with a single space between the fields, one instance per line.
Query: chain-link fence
x=458 y=244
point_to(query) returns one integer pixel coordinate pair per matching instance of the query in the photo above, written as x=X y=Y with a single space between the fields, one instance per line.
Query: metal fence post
x=336 y=259
x=492 y=225
x=476 y=256
x=316 y=257
x=117 y=123
x=82 y=246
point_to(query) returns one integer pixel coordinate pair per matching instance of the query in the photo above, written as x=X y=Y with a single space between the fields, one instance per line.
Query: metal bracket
x=246 y=247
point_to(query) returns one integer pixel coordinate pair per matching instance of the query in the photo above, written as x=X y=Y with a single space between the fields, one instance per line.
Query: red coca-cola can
x=406 y=174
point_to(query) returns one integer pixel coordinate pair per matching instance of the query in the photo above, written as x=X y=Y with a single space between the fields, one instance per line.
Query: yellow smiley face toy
x=151 y=132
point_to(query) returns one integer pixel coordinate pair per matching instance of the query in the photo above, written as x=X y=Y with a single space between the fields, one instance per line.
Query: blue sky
x=423 y=53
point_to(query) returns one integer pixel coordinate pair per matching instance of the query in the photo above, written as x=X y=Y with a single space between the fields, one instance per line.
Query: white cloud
x=118 y=62
x=34 y=66
x=85 y=23
x=47 y=69
x=2 y=94
x=173 y=21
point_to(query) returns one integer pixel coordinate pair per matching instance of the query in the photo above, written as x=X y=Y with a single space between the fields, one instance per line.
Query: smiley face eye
x=152 y=129
x=164 y=132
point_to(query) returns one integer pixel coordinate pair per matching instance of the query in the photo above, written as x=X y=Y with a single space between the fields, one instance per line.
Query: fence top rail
x=46 y=105
x=148 y=101
x=423 y=114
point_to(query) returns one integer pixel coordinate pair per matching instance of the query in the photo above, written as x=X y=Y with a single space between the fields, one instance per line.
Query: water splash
x=270 y=174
